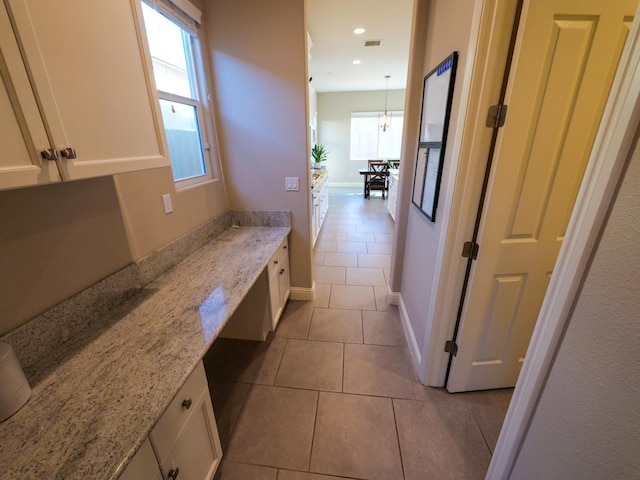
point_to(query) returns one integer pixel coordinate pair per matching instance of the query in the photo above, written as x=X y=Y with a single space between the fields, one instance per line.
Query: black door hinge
x=451 y=346
x=470 y=250
x=496 y=116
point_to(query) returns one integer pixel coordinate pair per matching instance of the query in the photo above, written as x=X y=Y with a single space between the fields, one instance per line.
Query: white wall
x=334 y=128
x=586 y=424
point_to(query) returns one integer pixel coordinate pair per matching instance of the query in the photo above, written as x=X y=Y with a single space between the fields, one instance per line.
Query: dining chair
x=377 y=177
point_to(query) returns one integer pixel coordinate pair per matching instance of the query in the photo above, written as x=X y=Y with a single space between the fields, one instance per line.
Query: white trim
x=393 y=298
x=611 y=150
x=409 y=335
x=300 y=293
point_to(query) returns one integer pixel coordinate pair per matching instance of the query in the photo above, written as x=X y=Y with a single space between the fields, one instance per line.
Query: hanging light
x=385 y=121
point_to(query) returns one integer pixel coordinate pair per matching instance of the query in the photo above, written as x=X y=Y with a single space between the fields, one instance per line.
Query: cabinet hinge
x=470 y=250
x=451 y=346
x=496 y=116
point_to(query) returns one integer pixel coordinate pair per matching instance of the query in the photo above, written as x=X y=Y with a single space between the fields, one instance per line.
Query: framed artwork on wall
x=437 y=95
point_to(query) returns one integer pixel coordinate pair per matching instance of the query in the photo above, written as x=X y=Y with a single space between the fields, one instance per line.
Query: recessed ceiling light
x=359 y=31
x=357 y=62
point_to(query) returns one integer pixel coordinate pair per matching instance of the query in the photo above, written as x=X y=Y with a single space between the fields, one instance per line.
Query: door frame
x=611 y=150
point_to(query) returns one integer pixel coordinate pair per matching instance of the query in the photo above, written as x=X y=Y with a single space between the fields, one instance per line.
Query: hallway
x=333 y=390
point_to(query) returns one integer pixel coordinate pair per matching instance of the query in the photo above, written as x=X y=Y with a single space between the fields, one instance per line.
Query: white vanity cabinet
x=78 y=80
x=143 y=466
x=185 y=439
x=279 y=282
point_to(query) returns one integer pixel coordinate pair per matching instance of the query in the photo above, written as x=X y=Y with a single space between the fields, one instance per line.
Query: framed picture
x=434 y=123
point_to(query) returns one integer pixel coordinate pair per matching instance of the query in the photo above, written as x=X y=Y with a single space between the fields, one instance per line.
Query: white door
x=564 y=62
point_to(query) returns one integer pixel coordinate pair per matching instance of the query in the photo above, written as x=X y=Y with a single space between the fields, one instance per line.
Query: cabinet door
x=143 y=466
x=196 y=453
x=284 y=283
x=274 y=297
x=22 y=135
x=92 y=79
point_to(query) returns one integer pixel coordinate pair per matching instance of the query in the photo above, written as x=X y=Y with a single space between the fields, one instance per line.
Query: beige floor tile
x=243 y=471
x=369 y=228
x=377 y=370
x=440 y=395
x=329 y=275
x=338 y=228
x=333 y=236
x=325 y=246
x=311 y=365
x=275 y=428
x=352 y=297
x=382 y=300
x=227 y=399
x=343 y=219
x=336 y=325
x=365 y=276
x=318 y=258
x=360 y=237
x=364 y=448
x=379 y=248
x=323 y=293
x=368 y=260
x=352 y=247
x=440 y=441
x=244 y=360
x=341 y=259
x=383 y=328
x=384 y=237
x=490 y=420
x=295 y=320
x=291 y=475
x=387 y=274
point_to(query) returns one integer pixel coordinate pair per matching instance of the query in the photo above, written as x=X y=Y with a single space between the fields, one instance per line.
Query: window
x=370 y=142
x=173 y=43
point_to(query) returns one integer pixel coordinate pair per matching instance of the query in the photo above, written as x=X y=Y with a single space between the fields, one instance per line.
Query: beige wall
x=334 y=128
x=261 y=89
x=586 y=424
x=422 y=238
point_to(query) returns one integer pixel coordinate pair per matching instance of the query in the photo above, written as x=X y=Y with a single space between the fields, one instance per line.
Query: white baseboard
x=299 y=293
x=416 y=356
x=393 y=298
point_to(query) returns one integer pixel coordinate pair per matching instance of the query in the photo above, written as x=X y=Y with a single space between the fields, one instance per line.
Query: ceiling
x=330 y=24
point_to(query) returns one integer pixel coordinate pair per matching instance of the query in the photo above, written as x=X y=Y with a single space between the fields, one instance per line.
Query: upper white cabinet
x=78 y=80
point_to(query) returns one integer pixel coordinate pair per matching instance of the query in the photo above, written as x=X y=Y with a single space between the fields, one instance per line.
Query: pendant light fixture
x=385 y=122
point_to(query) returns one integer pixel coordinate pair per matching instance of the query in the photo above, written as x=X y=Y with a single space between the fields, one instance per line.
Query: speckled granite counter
x=103 y=392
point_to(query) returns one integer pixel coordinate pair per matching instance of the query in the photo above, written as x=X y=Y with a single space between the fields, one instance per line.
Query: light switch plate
x=291 y=184
x=166 y=201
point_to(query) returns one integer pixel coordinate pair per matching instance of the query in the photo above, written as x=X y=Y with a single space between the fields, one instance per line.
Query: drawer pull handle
x=49 y=154
x=186 y=403
x=281 y=271
x=275 y=262
x=285 y=247
x=68 y=153
x=173 y=473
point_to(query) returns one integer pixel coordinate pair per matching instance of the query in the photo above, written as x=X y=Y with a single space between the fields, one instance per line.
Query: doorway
x=564 y=62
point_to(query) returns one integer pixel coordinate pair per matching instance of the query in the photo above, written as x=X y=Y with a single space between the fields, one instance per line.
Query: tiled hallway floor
x=332 y=393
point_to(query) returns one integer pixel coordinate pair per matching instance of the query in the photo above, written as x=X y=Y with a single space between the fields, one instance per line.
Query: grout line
x=395 y=422
x=313 y=430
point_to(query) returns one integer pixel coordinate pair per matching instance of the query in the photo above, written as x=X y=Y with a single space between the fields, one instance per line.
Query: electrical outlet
x=291 y=184
x=166 y=201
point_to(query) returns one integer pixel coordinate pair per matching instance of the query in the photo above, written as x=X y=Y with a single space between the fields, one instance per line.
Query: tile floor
x=332 y=393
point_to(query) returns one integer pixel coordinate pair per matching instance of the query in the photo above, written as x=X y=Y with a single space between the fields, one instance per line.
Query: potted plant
x=319 y=154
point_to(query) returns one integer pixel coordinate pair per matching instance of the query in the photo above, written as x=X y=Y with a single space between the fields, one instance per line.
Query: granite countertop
x=103 y=393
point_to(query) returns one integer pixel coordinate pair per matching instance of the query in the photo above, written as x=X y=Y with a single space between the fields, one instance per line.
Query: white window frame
x=378 y=115
x=182 y=14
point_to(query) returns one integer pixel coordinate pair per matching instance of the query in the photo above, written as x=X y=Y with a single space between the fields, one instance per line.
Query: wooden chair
x=377 y=177
x=395 y=163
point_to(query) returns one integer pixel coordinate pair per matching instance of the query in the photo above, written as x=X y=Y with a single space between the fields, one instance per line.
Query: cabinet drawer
x=275 y=263
x=173 y=419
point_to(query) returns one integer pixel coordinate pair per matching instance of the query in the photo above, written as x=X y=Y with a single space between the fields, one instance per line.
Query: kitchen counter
x=102 y=393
